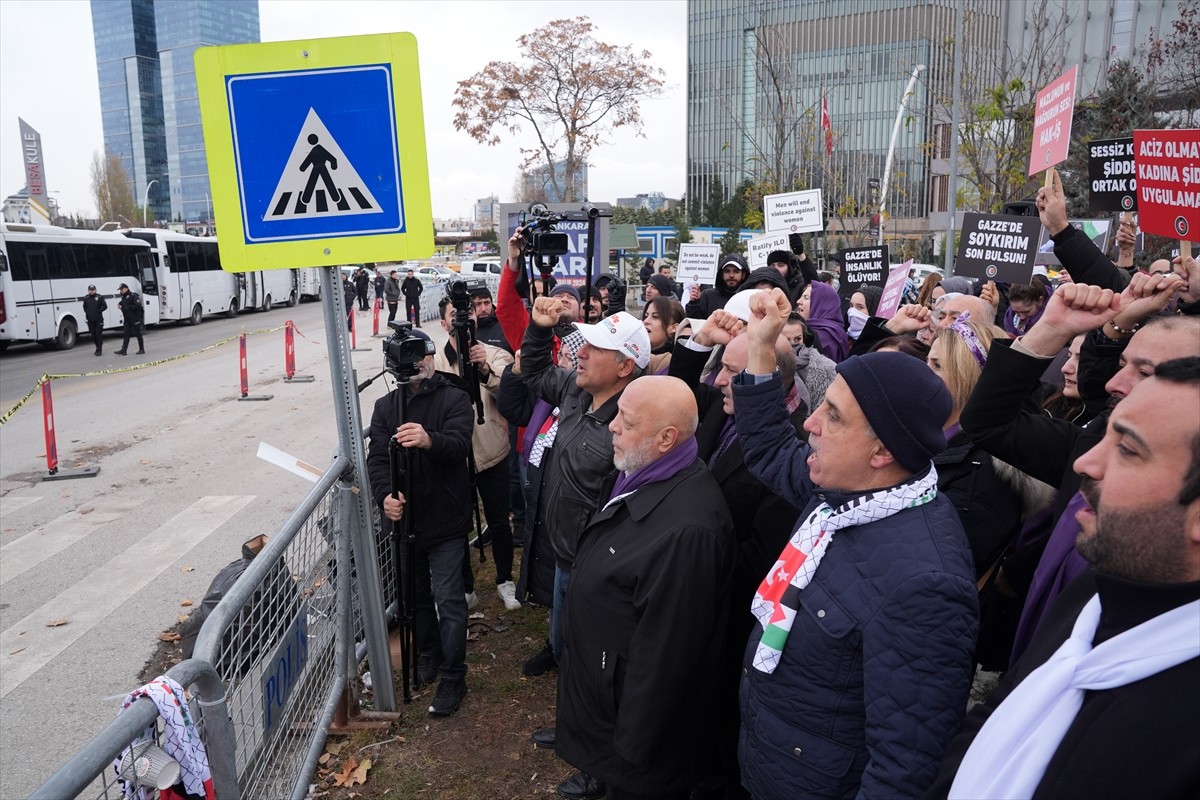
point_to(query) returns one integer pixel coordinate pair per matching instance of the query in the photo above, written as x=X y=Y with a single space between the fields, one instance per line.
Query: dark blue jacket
x=875 y=673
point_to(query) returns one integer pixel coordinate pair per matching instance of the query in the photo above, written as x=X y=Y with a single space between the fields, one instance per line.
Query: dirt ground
x=483 y=751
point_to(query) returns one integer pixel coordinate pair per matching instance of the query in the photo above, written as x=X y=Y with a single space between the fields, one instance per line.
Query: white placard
x=795 y=212
x=698 y=263
x=758 y=248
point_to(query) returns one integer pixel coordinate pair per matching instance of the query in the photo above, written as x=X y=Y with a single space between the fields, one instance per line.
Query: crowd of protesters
x=779 y=534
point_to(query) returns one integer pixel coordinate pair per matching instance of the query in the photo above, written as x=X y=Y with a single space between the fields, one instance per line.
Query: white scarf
x=778 y=597
x=1008 y=758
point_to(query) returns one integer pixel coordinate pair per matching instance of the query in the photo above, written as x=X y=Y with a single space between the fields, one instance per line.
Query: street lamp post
x=887 y=168
x=146 y=201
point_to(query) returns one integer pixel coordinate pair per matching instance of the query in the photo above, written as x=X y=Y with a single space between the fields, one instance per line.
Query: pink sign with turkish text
x=1052 y=112
x=893 y=291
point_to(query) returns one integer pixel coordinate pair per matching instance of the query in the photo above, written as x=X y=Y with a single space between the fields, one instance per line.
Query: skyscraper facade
x=148 y=98
x=760 y=73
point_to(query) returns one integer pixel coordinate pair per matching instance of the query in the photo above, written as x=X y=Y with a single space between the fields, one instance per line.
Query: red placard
x=1168 y=182
x=1052 y=112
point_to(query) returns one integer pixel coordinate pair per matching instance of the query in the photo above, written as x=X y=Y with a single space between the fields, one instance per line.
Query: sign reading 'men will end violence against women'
x=1168 y=182
x=1052 y=112
x=794 y=212
x=997 y=247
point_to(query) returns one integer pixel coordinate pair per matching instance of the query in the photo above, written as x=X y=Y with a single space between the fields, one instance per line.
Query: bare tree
x=998 y=89
x=569 y=88
x=1173 y=63
x=112 y=189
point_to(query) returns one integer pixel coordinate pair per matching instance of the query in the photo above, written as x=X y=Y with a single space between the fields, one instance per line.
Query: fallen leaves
x=187 y=569
x=186 y=602
x=57 y=623
x=144 y=461
x=353 y=772
x=169 y=636
x=85 y=511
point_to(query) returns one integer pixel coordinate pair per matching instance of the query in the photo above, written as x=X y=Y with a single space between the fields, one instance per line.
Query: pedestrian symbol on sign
x=318 y=180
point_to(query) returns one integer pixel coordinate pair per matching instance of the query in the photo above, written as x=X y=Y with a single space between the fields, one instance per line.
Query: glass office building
x=758 y=71
x=148 y=99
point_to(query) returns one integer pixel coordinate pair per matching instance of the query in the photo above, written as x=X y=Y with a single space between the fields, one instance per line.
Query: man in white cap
x=615 y=351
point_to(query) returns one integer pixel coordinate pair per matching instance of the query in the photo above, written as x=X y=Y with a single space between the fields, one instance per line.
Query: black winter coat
x=412 y=288
x=536 y=581
x=642 y=629
x=131 y=309
x=583 y=446
x=1138 y=740
x=94 y=306
x=441 y=501
x=989 y=508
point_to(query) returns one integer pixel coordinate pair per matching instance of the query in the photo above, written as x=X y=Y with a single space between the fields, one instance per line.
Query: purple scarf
x=1018 y=327
x=825 y=321
x=666 y=467
x=1060 y=564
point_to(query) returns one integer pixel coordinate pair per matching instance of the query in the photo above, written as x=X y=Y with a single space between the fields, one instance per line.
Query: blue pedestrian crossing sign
x=316 y=151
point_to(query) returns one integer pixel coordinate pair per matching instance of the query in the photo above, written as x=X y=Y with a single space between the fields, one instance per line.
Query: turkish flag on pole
x=826 y=127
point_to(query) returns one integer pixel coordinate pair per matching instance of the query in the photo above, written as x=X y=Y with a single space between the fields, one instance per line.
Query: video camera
x=537 y=227
x=403 y=352
x=461 y=290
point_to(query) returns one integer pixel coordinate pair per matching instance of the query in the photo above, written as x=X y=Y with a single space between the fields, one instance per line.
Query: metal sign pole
x=366 y=556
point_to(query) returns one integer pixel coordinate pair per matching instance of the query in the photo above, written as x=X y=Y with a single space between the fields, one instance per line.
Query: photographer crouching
x=431 y=422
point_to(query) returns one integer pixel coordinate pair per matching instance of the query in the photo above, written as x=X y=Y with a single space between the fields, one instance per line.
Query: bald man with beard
x=646 y=604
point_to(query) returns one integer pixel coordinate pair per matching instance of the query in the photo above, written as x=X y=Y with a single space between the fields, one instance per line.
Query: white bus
x=44 y=275
x=192 y=284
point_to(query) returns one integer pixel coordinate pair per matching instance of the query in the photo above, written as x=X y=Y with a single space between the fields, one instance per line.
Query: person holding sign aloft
x=1072 y=247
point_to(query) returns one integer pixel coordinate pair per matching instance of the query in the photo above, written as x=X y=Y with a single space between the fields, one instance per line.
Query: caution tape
x=48 y=377
x=8 y=415
x=296 y=328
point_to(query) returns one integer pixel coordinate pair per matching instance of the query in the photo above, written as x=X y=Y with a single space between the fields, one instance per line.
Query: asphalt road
x=111 y=559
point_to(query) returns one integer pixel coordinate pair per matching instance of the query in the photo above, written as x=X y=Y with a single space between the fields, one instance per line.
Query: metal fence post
x=349 y=421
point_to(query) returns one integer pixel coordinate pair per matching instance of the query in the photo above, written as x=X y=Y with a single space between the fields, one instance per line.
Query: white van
x=482 y=266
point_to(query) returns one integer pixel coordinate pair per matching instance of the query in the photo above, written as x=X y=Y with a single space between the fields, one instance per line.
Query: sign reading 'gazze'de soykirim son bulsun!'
x=997 y=247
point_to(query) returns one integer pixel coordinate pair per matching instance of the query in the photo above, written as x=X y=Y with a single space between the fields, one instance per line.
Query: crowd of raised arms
x=780 y=536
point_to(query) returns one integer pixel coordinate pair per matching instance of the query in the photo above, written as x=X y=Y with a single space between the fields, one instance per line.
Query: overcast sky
x=48 y=78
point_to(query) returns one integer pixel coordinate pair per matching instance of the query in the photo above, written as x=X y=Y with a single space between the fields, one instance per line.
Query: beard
x=1143 y=543
x=631 y=461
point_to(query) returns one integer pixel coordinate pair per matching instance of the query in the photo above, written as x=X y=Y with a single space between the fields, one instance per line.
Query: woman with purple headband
x=992 y=497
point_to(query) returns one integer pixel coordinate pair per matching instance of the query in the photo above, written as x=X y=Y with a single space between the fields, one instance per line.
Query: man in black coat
x=645 y=606
x=731 y=274
x=1104 y=704
x=94 y=306
x=437 y=433
x=362 y=283
x=762 y=520
x=412 y=289
x=132 y=314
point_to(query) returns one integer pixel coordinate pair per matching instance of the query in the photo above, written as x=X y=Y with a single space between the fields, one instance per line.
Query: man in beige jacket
x=489 y=442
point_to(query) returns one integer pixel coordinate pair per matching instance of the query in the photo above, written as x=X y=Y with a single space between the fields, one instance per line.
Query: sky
x=48 y=78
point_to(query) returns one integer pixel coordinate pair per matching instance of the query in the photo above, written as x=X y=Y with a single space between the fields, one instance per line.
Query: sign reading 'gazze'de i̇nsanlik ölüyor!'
x=316 y=151
x=997 y=247
x=1168 y=182
x=861 y=265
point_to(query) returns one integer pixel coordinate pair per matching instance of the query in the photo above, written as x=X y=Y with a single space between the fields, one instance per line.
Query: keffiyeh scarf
x=778 y=597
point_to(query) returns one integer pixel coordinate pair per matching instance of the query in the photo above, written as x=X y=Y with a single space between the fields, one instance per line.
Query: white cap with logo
x=621 y=332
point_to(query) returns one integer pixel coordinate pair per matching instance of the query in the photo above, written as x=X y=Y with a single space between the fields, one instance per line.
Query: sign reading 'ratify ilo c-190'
x=316 y=151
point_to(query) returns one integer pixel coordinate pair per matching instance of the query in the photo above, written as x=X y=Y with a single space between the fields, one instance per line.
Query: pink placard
x=1052 y=113
x=893 y=291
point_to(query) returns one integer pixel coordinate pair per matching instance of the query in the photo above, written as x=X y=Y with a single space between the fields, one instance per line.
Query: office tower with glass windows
x=148 y=99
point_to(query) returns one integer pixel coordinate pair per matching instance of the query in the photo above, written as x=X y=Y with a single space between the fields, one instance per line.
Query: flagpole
x=887 y=167
x=955 y=105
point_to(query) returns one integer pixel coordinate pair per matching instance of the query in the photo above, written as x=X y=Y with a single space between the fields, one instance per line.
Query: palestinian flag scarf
x=778 y=596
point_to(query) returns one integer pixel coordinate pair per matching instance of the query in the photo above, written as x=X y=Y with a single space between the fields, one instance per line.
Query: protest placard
x=698 y=263
x=1111 y=182
x=758 y=248
x=893 y=291
x=1168 y=182
x=997 y=247
x=1052 y=112
x=861 y=265
x=795 y=212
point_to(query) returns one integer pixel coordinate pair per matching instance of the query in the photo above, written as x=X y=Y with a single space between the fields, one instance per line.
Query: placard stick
x=1185 y=249
x=1050 y=178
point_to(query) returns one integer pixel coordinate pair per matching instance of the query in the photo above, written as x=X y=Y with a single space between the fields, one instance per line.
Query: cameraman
x=490 y=446
x=437 y=433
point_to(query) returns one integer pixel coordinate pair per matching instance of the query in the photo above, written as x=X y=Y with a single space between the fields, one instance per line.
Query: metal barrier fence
x=277 y=641
x=94 y=761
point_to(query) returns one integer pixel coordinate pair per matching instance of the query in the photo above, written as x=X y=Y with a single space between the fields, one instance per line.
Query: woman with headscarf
x=822 y=312
x=863 y=303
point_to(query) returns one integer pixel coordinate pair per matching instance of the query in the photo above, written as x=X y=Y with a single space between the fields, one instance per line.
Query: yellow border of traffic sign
x=215 y=64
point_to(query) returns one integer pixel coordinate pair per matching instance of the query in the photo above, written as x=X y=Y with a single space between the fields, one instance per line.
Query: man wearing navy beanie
x=858 y=671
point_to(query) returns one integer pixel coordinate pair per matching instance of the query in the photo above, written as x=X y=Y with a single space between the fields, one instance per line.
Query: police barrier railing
x=95 y=760
x=280 y=642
